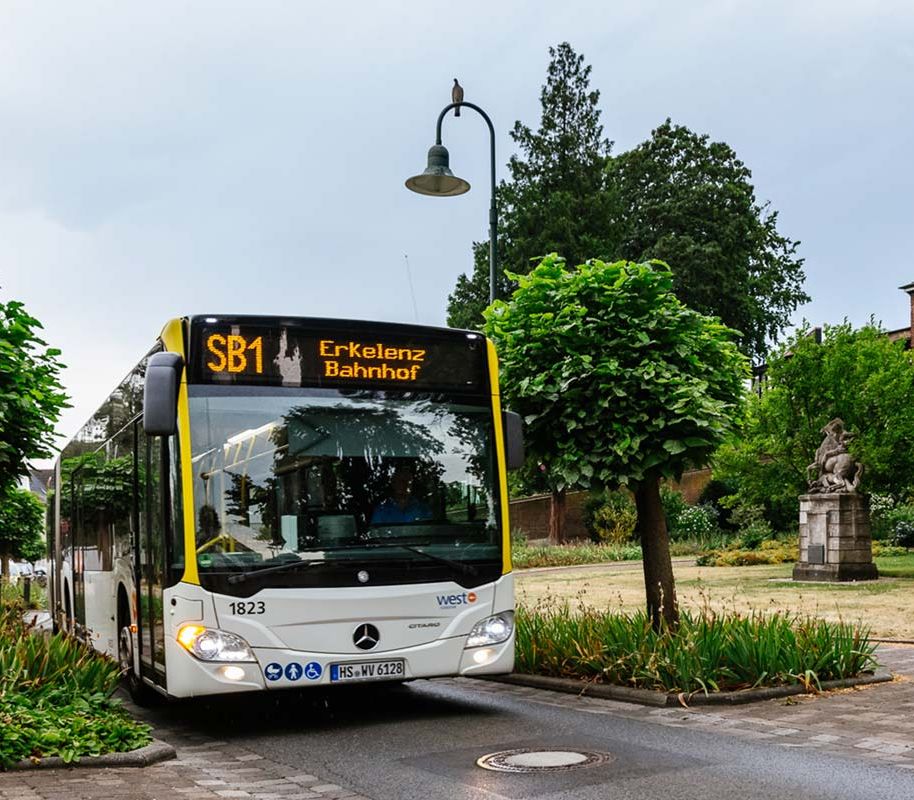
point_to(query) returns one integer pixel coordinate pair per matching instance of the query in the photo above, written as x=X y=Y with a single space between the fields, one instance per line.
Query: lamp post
x=439 y=181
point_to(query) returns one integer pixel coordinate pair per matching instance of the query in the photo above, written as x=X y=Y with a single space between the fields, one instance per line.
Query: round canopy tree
x=619 y=383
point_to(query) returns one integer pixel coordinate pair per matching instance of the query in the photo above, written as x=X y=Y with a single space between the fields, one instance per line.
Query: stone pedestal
x=835 y=540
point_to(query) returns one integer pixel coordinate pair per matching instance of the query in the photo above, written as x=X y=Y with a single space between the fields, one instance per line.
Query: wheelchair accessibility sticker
x=294 y=671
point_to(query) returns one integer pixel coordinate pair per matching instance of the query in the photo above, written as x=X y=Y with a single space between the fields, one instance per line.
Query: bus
x=270 y=503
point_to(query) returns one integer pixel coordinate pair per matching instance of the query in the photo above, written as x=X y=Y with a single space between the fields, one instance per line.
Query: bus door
x=152 y=493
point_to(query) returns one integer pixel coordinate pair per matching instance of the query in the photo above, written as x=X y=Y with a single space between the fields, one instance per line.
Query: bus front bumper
x=288 y=669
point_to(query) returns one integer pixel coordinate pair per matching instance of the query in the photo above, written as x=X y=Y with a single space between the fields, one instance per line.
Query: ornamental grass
x=708 y=652
x=55 y=697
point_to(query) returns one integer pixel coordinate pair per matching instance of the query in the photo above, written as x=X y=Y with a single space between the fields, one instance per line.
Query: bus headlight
x=209 y=644
x=492 y=630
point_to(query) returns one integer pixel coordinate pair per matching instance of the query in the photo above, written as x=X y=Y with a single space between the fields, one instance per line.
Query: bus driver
x=402 y=505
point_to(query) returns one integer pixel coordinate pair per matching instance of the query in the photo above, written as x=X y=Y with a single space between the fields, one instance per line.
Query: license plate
x=368 y=671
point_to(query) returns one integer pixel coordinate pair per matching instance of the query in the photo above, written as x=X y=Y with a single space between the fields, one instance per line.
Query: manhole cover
x=528 y=760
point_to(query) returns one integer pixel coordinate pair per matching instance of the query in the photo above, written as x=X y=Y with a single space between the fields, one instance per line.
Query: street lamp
x=438 y=181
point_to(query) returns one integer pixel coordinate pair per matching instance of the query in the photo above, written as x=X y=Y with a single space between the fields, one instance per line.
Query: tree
x=555 y=200
x=21 y=528
x=678 y=197
x=858 y=375
x=619 y=383
x=31 y=396
x=688 y=201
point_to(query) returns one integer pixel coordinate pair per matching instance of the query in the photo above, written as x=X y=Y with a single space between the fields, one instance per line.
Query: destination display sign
x=291 y=356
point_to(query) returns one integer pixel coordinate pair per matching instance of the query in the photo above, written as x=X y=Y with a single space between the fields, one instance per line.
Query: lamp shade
x=438 y=180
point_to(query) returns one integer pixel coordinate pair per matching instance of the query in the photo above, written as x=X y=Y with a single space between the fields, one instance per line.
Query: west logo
x=454 y=600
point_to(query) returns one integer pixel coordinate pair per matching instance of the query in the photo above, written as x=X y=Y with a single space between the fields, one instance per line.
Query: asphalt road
x=421 y=741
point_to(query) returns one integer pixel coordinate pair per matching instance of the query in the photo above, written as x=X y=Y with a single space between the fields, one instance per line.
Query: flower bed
x=707 y=652
x=55 y=698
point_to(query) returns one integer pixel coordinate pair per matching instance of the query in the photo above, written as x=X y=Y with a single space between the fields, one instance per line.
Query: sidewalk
x=874 y=722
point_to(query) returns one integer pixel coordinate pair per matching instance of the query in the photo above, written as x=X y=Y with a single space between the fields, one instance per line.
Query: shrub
x=713 y=493
x=771 y=551
x=674 y=505
x=524 y=557
x=55 y=697
x=888 y=550
x=610 y=517
x=707 y=652
x=696 y=522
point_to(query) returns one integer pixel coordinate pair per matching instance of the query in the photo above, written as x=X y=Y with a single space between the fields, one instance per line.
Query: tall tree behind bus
x=677 y=197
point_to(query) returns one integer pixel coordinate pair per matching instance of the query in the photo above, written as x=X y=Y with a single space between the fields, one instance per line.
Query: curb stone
x=152 y=753
x=650 y=697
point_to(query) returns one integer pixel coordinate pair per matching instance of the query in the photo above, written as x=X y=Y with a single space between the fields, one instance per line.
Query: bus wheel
x=139 y=692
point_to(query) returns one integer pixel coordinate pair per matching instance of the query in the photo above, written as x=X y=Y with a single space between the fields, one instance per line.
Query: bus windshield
x=298 y=477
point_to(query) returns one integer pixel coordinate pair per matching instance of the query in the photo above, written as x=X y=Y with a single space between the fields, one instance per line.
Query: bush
x=707 y=652
x=772 y=551
x=713 y=493
x=894 y=524
x=674 y=505
x=524 y=557
x=696 y=522
x=55 y=697
x=610 y=517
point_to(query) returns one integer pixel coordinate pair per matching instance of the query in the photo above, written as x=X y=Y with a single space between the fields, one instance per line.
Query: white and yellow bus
x=267 y=503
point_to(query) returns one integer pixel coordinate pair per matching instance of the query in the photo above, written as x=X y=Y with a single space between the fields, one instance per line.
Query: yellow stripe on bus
x=173 y=339
x=500 y=453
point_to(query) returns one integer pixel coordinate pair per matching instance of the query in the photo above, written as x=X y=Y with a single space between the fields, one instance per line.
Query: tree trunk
x=5 y=565
x=557 y=517
x=655 y=547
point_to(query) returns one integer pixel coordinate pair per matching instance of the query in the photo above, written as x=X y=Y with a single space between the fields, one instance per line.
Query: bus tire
x=67 y=609
x=139 y=692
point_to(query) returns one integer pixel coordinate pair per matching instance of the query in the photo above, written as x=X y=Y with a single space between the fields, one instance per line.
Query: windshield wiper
x=288 y=565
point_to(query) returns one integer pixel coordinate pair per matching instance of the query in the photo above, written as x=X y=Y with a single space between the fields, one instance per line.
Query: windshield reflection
x=323 y=476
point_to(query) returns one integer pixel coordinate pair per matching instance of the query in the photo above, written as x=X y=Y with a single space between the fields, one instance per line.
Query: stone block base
x=835 y=572
x=835 y=541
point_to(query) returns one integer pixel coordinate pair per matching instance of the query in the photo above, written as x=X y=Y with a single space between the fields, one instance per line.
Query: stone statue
x=837 y=470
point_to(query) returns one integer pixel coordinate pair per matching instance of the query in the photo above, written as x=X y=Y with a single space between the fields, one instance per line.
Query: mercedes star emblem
x=366 y=636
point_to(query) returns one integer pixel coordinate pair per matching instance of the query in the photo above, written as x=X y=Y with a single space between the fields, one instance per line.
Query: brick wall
x=531 y=514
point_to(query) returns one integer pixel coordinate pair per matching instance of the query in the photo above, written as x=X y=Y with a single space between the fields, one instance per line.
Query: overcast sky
x=161 y=159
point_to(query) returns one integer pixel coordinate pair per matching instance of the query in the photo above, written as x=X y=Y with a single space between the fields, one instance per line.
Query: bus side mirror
x=160 y=394
x=514 y=439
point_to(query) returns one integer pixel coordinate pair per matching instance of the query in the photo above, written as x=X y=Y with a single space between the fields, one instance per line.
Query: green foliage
x=673 y=506
x=11 y=593
x=566 y=555
x=698 y=523
x=677 y=197
x=55 y=697
x=894 y=524
x=737 y=554
x=686 y=200
x=610 y=517
x=707 y=652
x=555 y=199
x=857 y=375
x=637 y=384
x=31 y=396
x=21 y=525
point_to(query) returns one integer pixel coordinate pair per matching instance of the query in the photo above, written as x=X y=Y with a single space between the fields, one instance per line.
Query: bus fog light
x=209 y=644
x=232 y=673
x=492 y=630
x=483 y=656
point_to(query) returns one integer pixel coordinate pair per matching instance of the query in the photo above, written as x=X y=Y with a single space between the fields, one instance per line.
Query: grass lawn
x=886 y=605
